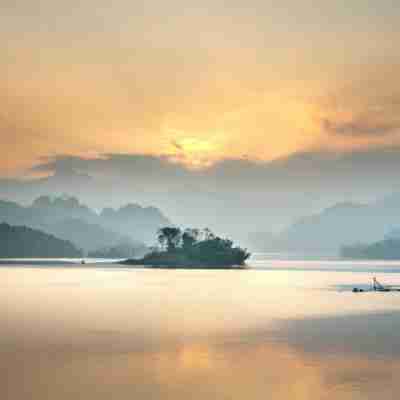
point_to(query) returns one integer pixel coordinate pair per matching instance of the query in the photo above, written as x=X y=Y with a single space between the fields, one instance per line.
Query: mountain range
x=342 y=224
x=23 y=242
x=231 y=197
x=69 y=219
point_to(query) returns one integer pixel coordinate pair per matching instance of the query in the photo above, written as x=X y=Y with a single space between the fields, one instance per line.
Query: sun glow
x=195 y=151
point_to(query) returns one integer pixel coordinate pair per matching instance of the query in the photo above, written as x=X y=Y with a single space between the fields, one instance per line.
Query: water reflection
x=140 y=334
x=199 y=371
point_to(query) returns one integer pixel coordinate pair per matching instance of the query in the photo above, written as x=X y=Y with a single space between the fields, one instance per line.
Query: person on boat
x=378 y=286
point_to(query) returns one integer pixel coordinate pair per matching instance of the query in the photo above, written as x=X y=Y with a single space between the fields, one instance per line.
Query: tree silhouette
x=189 y=238
x=169 y=237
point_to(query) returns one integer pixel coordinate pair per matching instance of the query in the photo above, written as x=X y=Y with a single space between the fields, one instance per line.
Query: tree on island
x=189 y=238
x=169 y=238
x=192 y=248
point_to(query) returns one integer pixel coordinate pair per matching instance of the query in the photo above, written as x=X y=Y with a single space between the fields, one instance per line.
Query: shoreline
x=177 y=265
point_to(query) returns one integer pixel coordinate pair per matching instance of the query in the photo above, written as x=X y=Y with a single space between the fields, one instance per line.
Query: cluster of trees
x=201 y=246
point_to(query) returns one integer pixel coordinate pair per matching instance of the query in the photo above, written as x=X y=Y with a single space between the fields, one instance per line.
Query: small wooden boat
x=378 y=287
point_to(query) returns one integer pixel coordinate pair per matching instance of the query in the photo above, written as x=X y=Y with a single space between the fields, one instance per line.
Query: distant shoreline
x=55 y=262
x=38 y=262
x=108 y=264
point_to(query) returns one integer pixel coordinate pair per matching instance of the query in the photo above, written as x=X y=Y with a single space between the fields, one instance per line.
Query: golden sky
x=197 y=82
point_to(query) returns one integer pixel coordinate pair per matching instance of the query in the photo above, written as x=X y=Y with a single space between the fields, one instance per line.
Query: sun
x=192 y=145
x=195 y=151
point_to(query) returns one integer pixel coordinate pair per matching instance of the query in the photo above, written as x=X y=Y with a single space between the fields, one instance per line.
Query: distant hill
x=89 y=235
x=122 y=250
x=393 y=234
x=69 y=219
x=60 y=208
x=24 y=242
x=337 y=226
x=388 y=249
x=138 y=222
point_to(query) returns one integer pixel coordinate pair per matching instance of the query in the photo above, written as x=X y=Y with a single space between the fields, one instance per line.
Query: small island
x=192 y=248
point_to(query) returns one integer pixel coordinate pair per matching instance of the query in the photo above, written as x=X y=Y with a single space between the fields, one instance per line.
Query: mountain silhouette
x=71 y=220
x=22 y=242
x=340 y=225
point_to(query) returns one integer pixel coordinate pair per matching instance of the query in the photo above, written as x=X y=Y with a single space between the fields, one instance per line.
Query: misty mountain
x=145 y=220
x=232 y=197
x=87 y=235
x=337 y=226
x=387 y=249
x=60 y=208
x=69 y=219
x=121 y=250
x=24 y=242
x=393 y=234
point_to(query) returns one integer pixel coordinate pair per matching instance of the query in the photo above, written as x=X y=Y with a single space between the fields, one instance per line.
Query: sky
x=230 y=114
x=197 y=82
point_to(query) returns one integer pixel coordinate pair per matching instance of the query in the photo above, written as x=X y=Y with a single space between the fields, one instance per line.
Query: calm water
x=283 y=329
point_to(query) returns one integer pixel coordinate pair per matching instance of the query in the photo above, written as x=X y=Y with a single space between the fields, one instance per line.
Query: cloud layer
x=232 y=196
x=195 y=83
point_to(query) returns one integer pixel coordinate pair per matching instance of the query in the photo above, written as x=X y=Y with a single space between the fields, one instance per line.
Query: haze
x=255 y=107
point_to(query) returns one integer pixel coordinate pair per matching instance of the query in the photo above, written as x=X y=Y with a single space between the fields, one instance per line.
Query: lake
x=285 y=328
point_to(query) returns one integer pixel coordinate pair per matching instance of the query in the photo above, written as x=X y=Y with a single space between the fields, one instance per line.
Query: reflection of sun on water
x=185 y=344
x=258 y=370
x=187 y=359
x=195 y=357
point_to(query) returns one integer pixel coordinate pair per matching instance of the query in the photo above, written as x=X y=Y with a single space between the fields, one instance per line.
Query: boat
x=378 y=287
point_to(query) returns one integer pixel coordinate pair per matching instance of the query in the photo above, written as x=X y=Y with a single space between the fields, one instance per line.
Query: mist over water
x=282 y=329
